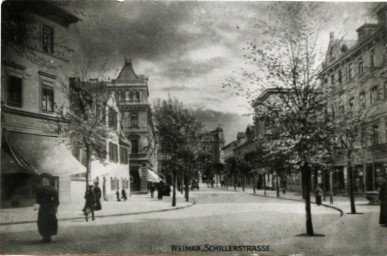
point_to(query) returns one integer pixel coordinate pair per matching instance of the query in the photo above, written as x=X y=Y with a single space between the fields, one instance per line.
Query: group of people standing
x=92 y=200
x=162 y=189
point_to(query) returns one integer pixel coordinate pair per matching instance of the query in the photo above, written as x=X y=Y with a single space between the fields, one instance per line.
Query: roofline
x=354 y=48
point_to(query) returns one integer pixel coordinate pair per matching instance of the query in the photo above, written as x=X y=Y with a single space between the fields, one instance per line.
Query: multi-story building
x=357 y=72
x=37 y=48
x=132 y=100
x=211 y=144
x=111 y=170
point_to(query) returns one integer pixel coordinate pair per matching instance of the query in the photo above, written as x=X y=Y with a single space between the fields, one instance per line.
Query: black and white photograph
x=193 y=127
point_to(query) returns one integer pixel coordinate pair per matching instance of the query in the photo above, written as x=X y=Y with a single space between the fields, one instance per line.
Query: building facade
x=35 y=62
x=211 y=144
x=357 y=72
x=111 y=169
x=132 y=100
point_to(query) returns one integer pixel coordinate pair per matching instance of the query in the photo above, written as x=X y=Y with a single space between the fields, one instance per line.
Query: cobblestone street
x=219 y=218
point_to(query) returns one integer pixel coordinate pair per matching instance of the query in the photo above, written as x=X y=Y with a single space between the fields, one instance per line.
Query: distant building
x=132 y=100
x=211 y=144
x=36 y=58
x=357 y=70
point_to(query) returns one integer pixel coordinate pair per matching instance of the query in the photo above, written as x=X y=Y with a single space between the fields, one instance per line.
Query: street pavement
x=135 y=204
x=221 y=222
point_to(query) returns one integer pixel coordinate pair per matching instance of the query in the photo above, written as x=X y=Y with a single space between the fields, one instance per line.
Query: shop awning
x=12 y=162
x=44 y=154
x=153 y=177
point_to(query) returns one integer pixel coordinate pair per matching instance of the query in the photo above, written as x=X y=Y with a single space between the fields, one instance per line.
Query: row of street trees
x=300 y=133
x=178 y=131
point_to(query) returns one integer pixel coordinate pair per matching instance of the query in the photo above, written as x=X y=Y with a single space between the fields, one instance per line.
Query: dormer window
x=372 y=59
x=47 y=39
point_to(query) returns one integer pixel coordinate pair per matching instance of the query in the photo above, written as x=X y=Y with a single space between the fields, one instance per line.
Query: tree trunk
x=351 y=182
x=88 y=167
x=254 y=184
x=174 y=187
x=264 y=184
x=277 y=185
x=243 y=183
x=233 y=178
x=306 y=180
x=186 y=181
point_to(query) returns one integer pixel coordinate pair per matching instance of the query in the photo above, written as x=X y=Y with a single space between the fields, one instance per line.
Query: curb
x=290 y=199
x=192 y=203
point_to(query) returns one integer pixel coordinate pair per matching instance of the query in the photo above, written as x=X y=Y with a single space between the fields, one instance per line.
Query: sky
x=189 y=49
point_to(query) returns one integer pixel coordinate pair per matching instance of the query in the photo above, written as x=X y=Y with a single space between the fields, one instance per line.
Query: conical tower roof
x=127 y=73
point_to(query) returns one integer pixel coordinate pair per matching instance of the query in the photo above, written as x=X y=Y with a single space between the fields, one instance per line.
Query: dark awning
x=44 y=154
x=12 y=162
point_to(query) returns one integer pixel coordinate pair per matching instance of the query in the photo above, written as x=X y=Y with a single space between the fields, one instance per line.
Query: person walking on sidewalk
x=383 y=204
x=90 y=202
x=152 y=189
x=123 y=193
x=47 y=201
x=318 y=194
x=98 y=195
x=160 y=190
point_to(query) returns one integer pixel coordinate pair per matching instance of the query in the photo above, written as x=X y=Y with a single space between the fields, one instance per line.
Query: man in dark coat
x=160 y=190
x=47 y=198
x=90 y=202
x=98 y=195
x=383 y=204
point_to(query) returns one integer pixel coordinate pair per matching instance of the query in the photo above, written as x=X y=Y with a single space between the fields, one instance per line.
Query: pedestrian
x=212 y=183
x=123 y=193
x=318 y=194
x=98 y=195
x=383 y=204
x=167 y=190
x=47 y=202
x=160 y=190
x=118 y=195
x=152 y=189
x=90 y=204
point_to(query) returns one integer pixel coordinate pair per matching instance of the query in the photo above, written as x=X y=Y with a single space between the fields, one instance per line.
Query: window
x=340 y=78
x=112 y=119
x=333 y=79
x=14 y=91
x=48 y=39
x=131 y=95
x=362 y=99
x=113 y=152
x=134 y=119
x=350 y=71
x=137 y=95
x=373 y=94
x=134 y=146
x=361 y=69
x=123 y=155
x=47 y=98
x=372 y=59
x=375 y=134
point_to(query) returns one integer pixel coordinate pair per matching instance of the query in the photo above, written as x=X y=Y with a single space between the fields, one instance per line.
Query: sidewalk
x=136 y=204
x=340 y=202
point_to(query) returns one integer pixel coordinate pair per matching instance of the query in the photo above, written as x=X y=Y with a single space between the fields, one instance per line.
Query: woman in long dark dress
x=47 y=198
x=383 y=204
